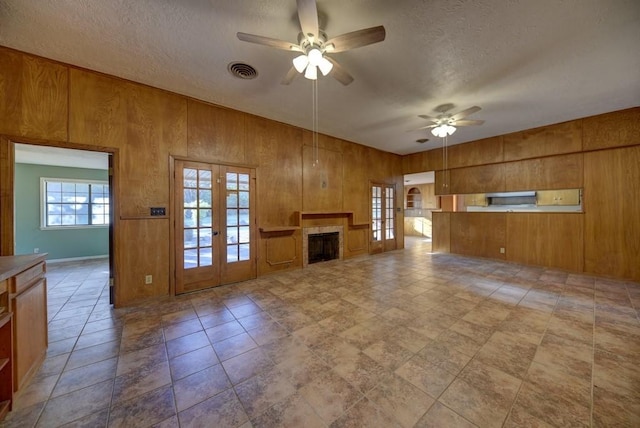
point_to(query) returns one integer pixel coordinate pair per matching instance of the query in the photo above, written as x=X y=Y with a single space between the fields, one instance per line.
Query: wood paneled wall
x=599 y=154
x=46 y=102
x=612 y=212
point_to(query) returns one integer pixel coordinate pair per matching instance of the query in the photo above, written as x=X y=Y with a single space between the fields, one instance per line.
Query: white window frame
x=43 y=203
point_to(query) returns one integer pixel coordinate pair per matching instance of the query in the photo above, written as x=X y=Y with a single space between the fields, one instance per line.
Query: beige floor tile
x=306 y=344
x=365 y=414
x=401 y=399
x=192 y=362
x=145 y=410
x=330 y=395
x=293 y=411
x=222 y=410
x=200 y=386
x=440 y=415
x=482 y=394
x=263 y=391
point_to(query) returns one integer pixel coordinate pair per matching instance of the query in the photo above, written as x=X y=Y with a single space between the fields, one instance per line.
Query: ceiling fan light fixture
x=443 y=130
x=325 y=66
x=315 y=56
x=300 y=63
x=311 y=73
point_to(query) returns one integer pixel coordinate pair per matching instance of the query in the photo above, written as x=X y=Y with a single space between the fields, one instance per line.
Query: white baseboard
x=77 y=259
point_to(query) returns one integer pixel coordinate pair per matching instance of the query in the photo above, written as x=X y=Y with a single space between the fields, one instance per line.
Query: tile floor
x=401 y=339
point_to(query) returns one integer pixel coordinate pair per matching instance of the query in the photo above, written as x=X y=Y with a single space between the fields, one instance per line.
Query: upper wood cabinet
x=620 y=128
x=480 y=152
x=477 y=179
x=557 y=172
x=546 y=141
x=476 y=200
x=558 y=197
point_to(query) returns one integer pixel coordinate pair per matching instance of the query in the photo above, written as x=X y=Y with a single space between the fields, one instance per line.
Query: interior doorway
x=420 y=201
x=62 y=205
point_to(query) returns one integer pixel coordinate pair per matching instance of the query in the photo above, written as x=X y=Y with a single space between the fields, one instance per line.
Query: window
x=74 y=203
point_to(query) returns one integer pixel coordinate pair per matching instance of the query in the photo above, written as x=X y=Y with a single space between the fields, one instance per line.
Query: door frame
x=7 y=198
x=384 y=246
x=173 y=214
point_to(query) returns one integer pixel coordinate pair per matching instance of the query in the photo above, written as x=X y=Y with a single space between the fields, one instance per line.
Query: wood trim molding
x=7 y=166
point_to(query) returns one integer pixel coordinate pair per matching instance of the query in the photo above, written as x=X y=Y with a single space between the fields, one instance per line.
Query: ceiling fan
x=445 y=123
x=313 y=44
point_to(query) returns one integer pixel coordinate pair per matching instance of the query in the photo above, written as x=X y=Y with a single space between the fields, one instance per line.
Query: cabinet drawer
x=23 y=280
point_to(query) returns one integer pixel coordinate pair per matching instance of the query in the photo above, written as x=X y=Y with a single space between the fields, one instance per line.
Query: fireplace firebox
x=323 y=247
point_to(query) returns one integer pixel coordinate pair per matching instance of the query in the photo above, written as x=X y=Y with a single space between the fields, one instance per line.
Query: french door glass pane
x=204 y=218
x=204 y=181
x=206 y=256
x=190 y=178
x=190 y=258
x=197 y=217
x=238 y=215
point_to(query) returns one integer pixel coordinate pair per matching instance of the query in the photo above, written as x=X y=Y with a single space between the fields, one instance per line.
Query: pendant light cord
x=314 y=97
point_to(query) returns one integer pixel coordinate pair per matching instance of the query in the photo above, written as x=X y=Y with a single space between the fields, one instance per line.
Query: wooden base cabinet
x=6 y=360
x=23 y=323
x=30 y=315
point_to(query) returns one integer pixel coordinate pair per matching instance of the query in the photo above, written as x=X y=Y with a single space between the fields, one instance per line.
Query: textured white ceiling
x=526 y=63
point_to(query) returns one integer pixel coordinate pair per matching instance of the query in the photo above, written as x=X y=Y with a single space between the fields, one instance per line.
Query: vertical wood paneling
x=97 y=109
x=144 y=250
x=545 y=141
x=277 y=148
x=556 y=172
x=477 y=179
x=441 y=240
x=34 y=97
x=479 y=152
x=322 y=183
x=156 y=127
x=620 y=128
x=546 y=239
x=612 y=212
x=356 y=182
x=216 y=134
x=478 y=234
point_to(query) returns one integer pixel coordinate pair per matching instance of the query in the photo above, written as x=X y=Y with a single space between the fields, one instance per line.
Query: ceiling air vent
x=242 y=70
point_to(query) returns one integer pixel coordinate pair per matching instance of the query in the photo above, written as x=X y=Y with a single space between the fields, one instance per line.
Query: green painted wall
x=59 y=244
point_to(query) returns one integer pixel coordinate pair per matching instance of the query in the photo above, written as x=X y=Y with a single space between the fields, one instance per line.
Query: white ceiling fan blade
x=429 y=118
x=339 y=73
x=268 y=41
x=291 y=74
x=356 y=39
x=468 y=122
x=308 y=16
x=423 y=127
x=465 y=113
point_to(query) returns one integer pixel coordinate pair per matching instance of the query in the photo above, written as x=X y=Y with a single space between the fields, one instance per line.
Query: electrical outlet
x=36 y=250
x=148 y=279
x=502 y=250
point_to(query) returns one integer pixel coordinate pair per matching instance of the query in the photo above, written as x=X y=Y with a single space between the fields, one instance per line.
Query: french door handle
x=215 y=233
